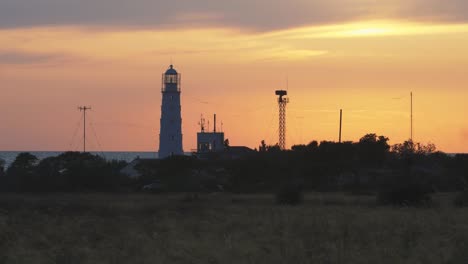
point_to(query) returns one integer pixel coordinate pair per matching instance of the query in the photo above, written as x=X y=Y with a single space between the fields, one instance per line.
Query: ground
x=225 y=228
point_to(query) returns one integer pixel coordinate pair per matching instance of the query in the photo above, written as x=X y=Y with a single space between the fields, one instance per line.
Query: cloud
x=23 y=58
x=256 y=15
x=27 y=58
x=433 y=10
x=36 y=45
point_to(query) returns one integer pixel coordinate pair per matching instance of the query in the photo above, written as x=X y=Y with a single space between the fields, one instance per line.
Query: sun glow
x=370 y=29
x=367 y=32
x=358 y=66
x=284 y=45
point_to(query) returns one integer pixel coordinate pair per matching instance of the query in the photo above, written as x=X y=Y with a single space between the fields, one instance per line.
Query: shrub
x=405 y=194
x=289 y=195
x=2 y=167
x=21 y=175
x=190 y=198
x=461 y=199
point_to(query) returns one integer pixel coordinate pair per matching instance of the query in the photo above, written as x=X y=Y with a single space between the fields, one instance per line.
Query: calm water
x=10 y=156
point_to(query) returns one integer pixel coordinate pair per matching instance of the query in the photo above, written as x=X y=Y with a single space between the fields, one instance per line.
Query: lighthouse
x=170 y=136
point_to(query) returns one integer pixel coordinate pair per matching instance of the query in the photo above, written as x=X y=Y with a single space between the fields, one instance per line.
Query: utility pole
x=341 y=120
x=411 y=136
x=84 y=109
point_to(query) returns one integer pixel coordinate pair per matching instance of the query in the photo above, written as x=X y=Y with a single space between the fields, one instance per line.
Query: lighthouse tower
x=170 y=137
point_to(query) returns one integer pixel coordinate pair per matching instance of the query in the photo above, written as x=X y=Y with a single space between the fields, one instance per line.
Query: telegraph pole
x=411 y=95
x=341 y=121
x=84 y=109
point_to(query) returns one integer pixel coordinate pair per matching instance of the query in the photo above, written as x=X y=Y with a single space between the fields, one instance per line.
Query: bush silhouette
x=21 y=175
x=290 y=194
x=405 y=192
x=461 y=199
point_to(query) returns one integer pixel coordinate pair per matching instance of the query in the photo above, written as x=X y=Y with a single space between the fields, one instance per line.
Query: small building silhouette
x=210 y=142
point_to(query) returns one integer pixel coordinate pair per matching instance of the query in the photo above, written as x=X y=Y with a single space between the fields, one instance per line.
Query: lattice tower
x=282 y=102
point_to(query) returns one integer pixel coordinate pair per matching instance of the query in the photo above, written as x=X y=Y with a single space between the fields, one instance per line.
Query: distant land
x=9 y=156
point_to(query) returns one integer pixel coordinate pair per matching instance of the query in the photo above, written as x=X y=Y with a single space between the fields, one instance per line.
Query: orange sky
x=366 y=66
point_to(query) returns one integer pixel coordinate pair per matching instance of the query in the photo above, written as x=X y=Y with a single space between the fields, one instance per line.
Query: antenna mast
x=341 y=121
x=214 y=120
x=84 y=109
x=282 y=102
x=202 y=124
x=411 y=136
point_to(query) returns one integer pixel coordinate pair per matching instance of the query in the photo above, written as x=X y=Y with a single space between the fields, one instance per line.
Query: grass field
x=224 y=228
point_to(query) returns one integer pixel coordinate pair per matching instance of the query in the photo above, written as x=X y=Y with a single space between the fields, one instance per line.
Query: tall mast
x=282 y=102
x=341 y=120
x=84 y=109
x=411 y=95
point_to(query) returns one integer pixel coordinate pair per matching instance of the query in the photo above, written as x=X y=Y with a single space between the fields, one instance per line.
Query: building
x=208 y=142
x=170 y=137
x=212 y=145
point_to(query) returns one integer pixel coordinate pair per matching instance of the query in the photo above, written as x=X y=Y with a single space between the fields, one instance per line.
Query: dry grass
x=223 y=228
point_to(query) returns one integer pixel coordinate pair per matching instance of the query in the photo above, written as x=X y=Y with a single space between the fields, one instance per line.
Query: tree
x=262 y=147
x=23 y=162
x=2 y=167
x=373 y=149
x=273 y=148
x=313 y=145
x=299 y=148
x=21 y=174
x=76 y=171
x=268 y=148
x=409 y=148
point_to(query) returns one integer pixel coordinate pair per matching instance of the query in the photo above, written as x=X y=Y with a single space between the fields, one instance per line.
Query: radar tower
x=282 y=102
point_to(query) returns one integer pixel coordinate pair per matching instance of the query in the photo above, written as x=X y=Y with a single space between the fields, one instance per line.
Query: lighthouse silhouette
x=170 y=136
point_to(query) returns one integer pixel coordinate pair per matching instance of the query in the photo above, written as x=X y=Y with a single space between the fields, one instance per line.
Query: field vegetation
x=327 y=202
x=227 y=228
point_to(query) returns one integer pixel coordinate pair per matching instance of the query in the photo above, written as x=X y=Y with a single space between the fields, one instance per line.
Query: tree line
x=370 y=165
x=70 y=171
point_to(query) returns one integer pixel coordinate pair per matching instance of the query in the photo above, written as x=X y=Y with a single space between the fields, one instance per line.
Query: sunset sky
x=362 y=56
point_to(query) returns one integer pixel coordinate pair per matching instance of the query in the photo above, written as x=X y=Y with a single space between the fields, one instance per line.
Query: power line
x=71 y=146
x=271 y=132
x=97 y=139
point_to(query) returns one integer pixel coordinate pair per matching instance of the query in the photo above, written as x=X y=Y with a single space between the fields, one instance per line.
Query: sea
x=128 y=156
x=10 y=156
